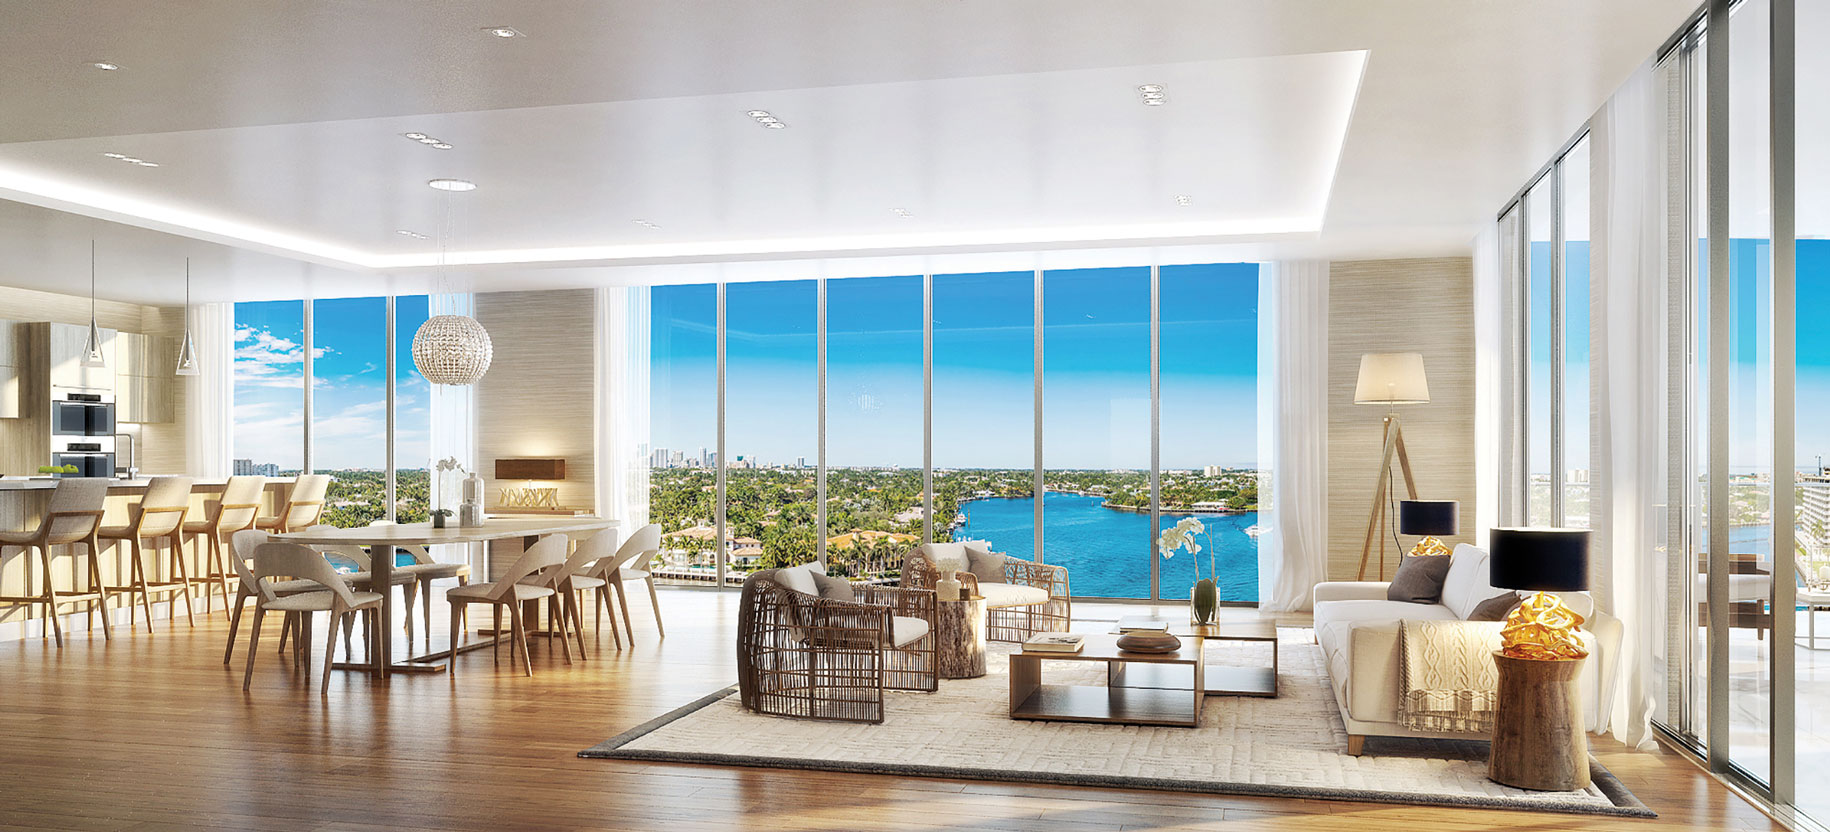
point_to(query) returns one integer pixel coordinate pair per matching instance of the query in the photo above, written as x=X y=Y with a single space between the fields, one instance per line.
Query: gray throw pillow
x=837 y=589
x=1419 y=580
x=1495 y=608
x=986 y=565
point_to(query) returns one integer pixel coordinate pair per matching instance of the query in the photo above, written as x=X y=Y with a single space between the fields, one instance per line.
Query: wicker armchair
x=808 y=657
x=1012 y=619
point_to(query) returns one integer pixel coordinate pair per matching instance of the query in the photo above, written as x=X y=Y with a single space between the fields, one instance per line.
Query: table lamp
x=1390 y=379
x=1544 y=561
x=1427 y=519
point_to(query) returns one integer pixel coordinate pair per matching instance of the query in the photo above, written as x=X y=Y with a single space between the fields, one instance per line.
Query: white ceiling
x=1001 y=126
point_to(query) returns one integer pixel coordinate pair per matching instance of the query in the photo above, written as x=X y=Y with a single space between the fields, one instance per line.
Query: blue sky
x=1096 y=377
x=349 y=395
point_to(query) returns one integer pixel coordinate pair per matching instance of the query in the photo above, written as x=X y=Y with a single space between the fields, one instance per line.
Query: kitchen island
x=23 y=501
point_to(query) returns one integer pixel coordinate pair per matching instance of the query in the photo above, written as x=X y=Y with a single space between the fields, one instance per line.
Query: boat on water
x=1255 y=529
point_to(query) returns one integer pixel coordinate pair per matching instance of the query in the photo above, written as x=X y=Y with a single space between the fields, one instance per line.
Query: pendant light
x=451 y=349
x=187 y=353
x=92 y=347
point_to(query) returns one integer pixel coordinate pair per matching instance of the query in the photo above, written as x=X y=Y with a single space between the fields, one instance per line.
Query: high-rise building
x=1814 y=506
x=243 y=467
x=658 y=458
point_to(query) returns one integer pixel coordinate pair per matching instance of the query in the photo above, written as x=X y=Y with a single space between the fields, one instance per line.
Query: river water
x=1107 y=552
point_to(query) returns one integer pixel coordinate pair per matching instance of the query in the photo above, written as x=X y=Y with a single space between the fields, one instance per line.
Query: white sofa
x=1357 y=629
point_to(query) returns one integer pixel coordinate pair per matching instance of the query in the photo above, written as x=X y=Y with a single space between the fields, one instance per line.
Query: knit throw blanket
x=1446 y=675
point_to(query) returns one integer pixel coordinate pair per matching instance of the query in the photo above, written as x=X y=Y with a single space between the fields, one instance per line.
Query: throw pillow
x=948 y=558
x=1418 y=580
x=987 y=565
x=837 y=589
x=799 y=579
x=1495 y=608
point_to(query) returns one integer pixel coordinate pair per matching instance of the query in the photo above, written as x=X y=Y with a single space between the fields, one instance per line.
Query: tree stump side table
x=1538 y=741
x=960 y=640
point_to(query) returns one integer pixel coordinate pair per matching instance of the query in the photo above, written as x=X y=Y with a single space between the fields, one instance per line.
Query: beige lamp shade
x=1392 y=378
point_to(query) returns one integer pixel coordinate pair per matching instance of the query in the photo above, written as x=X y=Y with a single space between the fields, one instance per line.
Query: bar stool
x=304 y=505
x=426 y=570
x=160 y=516
x=238 y=509
x=75 y=516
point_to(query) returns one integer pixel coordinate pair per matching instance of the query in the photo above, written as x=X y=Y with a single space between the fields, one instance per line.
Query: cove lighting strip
x=80 y=199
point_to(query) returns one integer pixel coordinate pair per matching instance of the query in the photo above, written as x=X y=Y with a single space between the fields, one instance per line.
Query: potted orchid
x=1205 y=597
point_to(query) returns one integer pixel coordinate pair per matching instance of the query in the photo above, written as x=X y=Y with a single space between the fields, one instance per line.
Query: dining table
x=384 y=543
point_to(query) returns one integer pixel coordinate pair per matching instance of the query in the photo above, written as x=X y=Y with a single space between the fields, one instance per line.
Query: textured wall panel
x=1424 y=306
x=536 y=400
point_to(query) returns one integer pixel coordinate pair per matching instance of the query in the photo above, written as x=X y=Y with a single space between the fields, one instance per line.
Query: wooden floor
x=153 y=733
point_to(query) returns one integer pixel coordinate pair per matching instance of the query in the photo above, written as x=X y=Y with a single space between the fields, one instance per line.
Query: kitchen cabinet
x=144 y=382
x=65 y=343
x=12 y=358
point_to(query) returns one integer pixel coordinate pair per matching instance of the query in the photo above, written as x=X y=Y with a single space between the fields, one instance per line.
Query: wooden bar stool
x=160 y=516
x=304 y=505
x=238 y=509
x=75 y=516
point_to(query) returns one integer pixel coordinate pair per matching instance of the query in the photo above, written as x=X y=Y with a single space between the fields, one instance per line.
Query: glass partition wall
x=850 y=419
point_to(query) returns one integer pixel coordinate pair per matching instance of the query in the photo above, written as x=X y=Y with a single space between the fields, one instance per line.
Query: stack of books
x=1054 y=643
x=1142 y=624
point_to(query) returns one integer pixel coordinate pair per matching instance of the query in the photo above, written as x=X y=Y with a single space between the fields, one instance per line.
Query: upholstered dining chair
x=159 y=516
x=426 y=569
x=241 y=554
x=304 y=505
x=73 y=517
x=571 y=580
x=302 y=563
x=1030 y=598
x=363 y=580
x=821 y=648
x=540 y=559
x=237 y=510
x=630 y=563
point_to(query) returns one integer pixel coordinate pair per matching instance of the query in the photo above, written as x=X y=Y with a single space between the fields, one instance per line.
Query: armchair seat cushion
x=1012 y=595
x=905 y=630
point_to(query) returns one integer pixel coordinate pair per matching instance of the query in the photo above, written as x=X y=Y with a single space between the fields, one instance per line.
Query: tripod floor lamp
x=1390 y=379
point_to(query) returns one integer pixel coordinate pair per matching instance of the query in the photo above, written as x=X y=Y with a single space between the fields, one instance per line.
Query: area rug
x=1290 y=746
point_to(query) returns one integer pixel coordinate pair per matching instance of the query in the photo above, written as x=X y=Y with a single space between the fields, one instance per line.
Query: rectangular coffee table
x=1111 y=702
x=1222 y=680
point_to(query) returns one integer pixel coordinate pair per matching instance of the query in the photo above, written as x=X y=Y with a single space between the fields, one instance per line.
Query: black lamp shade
x=1539 y=560
x=1429 y=517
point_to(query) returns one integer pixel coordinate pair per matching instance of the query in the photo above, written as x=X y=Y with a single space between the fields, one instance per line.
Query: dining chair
x=573 y=578
x=298 y=562
x=362 y=579
x=640 y=548
x=236 y=510
x=426 y=569
x=511 y=591
x=74 y=516
x=160 y=515
x=304 y=505
x=241 y=554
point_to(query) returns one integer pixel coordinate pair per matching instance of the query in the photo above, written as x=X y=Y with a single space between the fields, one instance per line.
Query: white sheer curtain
x=1293 y=432
x=453 y=412
x=1629 y=389
x=1489 y=354
x=209 y=396
x=621 y=433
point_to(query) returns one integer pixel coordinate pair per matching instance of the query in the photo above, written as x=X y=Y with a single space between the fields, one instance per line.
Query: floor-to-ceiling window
x=1208 y=391
x=771 y=418
x=1096 y=429
x=874 y=422
x=984 y=409
x=1574 y=225
x=350 y=407
x=1555 y=357
x=1812 y=266
x=413 y=460
x=683 y=428
x=269 y=414
x=1541 y=352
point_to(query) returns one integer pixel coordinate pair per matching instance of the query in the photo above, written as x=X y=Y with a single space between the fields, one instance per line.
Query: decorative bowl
x=1149 y=643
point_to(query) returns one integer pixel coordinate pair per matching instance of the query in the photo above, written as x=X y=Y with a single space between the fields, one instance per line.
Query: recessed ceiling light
x=452 y=184
x=429 y=141
x=902 y=212
x=105 y=66
x=442 y=145
x=1153 y=95
x=647 y=224
x=146 y=164
x=414 y=234
x=504 y=32
x=766 y=119
x=1154 y=102
x=115 y=155
x=1150 y=88
x=1184 y=199
x=414 y=136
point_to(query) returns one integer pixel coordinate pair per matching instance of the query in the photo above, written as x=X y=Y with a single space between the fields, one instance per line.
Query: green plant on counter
x=58 y=469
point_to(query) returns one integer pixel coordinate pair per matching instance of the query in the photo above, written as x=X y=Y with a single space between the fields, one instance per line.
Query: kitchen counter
x=124 y=485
